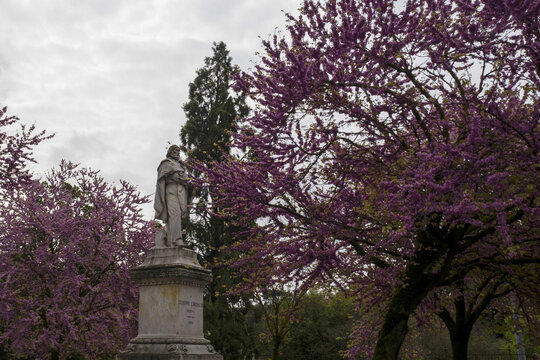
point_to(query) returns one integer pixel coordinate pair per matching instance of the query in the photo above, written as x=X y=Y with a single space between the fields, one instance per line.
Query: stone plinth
x=171 y=283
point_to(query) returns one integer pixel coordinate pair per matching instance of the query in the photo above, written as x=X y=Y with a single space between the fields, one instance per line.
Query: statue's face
x=175 y=154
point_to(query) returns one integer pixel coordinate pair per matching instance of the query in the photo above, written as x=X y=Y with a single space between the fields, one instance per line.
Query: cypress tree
x=211 y=111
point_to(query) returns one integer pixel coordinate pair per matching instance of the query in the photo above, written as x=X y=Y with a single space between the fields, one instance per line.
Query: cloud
x=109 y=77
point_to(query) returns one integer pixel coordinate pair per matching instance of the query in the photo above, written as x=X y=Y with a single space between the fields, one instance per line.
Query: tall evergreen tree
x=212 y=109
x=211 y=113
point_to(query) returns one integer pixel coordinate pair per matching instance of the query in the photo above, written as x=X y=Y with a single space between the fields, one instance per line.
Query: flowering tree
x=67 y=244
x=15 y=150
x=394 y=149
x=470 y=300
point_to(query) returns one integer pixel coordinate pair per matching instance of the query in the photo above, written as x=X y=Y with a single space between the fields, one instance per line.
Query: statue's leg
x=161 y=237
x=183 y=200
x=168 y=240
x=174 y=225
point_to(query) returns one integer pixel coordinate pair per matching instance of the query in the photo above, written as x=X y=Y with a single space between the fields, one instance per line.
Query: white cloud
x=109 y=77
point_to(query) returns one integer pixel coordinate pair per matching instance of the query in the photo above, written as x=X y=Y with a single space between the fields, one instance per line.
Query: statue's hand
x=178 y=178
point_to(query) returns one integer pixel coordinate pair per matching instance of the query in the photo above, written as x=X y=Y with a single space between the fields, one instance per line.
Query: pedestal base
x=171 y=283
x=144 y=350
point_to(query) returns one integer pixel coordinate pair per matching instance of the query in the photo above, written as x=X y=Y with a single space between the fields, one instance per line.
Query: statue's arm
x=173 y=173
x=179 y=177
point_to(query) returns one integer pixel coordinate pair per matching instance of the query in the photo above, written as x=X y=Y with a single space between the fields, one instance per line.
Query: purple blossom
x=382 y=135
x=67 y=243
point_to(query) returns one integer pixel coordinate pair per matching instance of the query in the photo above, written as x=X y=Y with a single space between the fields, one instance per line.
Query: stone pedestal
x=171 y=283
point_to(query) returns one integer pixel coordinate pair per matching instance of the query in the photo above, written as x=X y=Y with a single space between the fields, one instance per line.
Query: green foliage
x=492 y=337
x=211 y=113
x=279 y=308
x=321 y=329
x=317 y=327
x=232 y=329
x=212 y=109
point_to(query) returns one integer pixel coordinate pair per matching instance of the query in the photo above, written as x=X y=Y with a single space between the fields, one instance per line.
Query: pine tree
x=212 y=109
x=211 y=112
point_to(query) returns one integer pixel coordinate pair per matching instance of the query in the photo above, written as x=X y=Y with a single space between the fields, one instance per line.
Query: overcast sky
x=109 y=77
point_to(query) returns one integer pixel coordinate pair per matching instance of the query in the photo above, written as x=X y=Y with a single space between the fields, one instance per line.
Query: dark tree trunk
x=275 y=348
x=390 y=341
x=394 y=328
x=460 y=342
x=418 y=281
x=460 y=328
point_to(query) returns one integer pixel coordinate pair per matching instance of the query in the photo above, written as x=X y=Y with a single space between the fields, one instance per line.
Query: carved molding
x=170 y=340
x=177 y=348
x=130 y=348
x=167 y=281
x=171 y=275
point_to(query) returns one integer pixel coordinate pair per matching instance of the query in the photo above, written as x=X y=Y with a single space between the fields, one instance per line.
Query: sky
x=109 y=77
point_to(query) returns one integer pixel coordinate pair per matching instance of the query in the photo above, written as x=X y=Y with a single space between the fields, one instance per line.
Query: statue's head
x=174 y=152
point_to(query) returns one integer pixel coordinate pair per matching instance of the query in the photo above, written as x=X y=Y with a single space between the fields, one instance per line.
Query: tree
x=467 y=310
x=16 y=150
x=321 y=326
x=213 y=108
x=211 y=113
x=491 y=288
x=15 y=153
x=67 y=244
x=395 y=149
x=474 y=295
x=278 y=307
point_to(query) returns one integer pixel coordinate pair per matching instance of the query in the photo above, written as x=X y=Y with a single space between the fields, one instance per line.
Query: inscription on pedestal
x=190 y=303
x=191 y=308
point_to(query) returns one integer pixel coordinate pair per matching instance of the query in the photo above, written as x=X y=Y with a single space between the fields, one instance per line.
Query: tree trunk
x=394 y=328
x=460 y=342
x=433 y=244
x=275 y=348
x=460 y=327
x=389 y=342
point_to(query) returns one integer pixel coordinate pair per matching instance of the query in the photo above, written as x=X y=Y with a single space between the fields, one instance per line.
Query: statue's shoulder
x=165 y=161
x=169 y=165
x=165 y=166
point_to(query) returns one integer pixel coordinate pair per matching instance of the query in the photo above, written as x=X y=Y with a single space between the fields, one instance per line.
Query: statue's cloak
x=165 y=168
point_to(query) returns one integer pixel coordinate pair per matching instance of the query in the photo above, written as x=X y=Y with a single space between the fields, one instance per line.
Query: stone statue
x=171 y=198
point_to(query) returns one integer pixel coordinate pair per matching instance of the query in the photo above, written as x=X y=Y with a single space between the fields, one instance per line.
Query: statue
x=171 y=198
x=171 y=280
